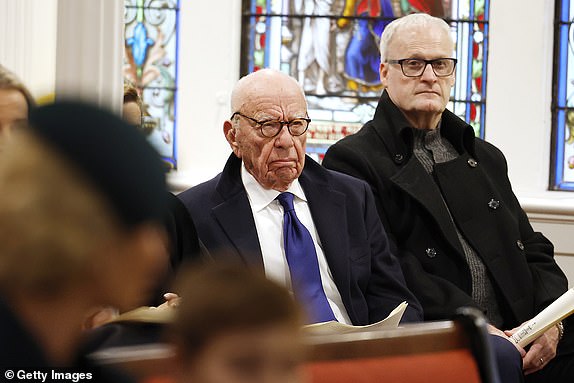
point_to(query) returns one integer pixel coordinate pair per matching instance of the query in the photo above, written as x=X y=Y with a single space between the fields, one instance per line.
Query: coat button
x=472 y=162
x=431 y=252
x=399 y=158
x=520 y=245
x=493 y=204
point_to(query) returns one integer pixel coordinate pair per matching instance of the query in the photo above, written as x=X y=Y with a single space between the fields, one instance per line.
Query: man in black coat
x=446 y=201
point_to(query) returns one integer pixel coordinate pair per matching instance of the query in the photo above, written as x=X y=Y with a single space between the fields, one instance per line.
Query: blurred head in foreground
x=79 y=219
x=233 y=326
x=15 y=104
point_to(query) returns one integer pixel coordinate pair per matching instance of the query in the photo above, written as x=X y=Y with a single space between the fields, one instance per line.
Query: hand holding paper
x=554 y=313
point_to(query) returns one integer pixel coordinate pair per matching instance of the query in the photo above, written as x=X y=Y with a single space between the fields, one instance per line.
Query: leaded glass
x=150 y=62
x=562 y=174
x=331 y=47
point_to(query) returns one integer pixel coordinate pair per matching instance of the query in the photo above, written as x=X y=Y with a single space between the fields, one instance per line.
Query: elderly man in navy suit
x=313 y=230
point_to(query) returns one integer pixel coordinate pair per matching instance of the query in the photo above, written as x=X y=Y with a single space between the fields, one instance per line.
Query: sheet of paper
x=333 y=327
x=554 y=313
x=133 y=353
x=161 y=314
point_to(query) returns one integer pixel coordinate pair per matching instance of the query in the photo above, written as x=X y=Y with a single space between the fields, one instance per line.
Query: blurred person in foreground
x=132 y=113
x=233 y=325
x=310 y=229
x=183 y=247
x=80 y=226
x=16 y=103
x=183 y=244
x=446 y=201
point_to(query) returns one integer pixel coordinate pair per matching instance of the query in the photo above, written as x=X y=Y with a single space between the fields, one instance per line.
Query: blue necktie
x=303 y=265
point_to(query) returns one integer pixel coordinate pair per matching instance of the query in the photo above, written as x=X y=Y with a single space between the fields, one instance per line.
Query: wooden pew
x=428 y=352
x=445 y=352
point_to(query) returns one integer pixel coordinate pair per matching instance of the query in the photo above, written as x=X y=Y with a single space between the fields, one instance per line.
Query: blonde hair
x=52 y=223
x=8 y=80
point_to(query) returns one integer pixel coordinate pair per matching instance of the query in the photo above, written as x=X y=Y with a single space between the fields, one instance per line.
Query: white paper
x=554 y=313
x=333 y=327
x=146 y=314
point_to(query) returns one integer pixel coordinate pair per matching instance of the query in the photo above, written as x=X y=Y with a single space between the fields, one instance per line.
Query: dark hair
x=110 y=153
x=221 y=299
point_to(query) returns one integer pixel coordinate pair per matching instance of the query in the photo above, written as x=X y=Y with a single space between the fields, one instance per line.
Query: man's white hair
x=415 y=19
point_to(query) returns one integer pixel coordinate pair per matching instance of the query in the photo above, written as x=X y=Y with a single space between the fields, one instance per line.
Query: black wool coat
x=477 y=191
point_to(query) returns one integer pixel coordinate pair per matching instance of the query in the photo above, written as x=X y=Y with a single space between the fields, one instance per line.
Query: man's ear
x=452 y=79
x=383 y=71
x=229 y=133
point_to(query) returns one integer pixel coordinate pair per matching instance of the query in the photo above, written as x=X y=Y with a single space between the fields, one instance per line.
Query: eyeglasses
x=271 y=128
x=441 y=67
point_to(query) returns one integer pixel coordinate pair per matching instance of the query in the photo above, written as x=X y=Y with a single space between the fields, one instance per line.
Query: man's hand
x=99 y=316
x=493 y=330
x=542 y=350
x=171 y=300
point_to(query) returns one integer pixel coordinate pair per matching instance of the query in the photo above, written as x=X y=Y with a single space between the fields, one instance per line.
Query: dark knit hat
x=113 y=155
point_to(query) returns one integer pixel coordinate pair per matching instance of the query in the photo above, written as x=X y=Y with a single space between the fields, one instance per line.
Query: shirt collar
x=259 y=197
x=390 y=123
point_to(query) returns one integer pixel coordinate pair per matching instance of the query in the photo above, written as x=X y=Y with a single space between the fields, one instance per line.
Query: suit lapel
x=414 y=180
x=235 y=216
x=328 y=210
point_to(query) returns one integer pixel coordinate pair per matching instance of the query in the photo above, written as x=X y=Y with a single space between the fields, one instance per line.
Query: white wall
x=209 y=49
x=89 y=51
x=518 y=116
x=71 y=47
x=28 y=42
x=519 y=90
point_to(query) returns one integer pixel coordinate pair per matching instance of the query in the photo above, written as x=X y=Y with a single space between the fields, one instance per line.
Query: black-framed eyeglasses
x=442 y=67
x=271 y=128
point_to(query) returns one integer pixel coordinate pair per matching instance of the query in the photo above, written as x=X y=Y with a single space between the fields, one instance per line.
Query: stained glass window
x=562 y=174
x=331 y=47
x=150 y=62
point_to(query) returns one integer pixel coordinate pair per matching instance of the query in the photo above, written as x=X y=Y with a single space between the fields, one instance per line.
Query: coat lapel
x=415 y=181
x=235 y=216
x=396 y=135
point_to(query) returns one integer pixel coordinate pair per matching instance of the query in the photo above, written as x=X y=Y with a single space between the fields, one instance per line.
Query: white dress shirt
x=268 y=216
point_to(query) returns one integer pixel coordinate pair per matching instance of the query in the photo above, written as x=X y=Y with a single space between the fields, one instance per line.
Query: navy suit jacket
x=367 y=275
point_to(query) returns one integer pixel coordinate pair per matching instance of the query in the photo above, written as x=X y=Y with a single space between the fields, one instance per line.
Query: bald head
x=266 y=80
x=269 y=99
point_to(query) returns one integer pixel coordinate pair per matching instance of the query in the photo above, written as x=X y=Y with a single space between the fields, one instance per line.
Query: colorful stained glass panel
x=562 y=172
x=150 y=62
x=331 y=47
